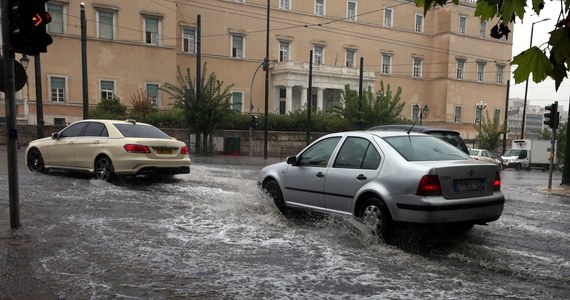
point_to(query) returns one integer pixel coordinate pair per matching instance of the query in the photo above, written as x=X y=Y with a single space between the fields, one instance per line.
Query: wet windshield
x=425 y=148
x=512 y=152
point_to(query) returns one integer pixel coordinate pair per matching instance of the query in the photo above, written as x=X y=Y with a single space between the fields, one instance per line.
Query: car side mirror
x=55 y=135
x=291 y=160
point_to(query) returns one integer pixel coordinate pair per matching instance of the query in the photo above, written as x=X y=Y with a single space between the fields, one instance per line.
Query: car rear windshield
x=141 y=131
x=425 y=148
x=452 y=138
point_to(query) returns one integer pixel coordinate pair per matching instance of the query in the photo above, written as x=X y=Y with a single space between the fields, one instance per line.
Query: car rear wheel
x=376 y=218
x=104 y=169
x=36 y=161
x=272 y=188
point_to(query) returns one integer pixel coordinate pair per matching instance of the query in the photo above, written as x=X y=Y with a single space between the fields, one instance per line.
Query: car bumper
x=476 y=212
x=149 y=167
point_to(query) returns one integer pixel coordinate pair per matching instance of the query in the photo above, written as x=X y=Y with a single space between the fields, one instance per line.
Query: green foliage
x=551 y=61
x=382 y=107
x=560 y=139
x=142 y=105
x=489 y=133
x=111 y=109
x=205 y=114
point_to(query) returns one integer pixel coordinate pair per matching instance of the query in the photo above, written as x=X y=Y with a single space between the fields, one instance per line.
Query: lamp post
x=421 y=113
x=526 y=84
x=251 y=110
x=480 y=107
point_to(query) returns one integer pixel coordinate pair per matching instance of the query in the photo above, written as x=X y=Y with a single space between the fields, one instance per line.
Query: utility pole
x=84 y=62
x=310 y=97
x=39 y=99
x=266 y=69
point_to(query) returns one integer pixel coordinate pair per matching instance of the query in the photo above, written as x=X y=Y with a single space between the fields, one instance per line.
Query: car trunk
x=465 y=180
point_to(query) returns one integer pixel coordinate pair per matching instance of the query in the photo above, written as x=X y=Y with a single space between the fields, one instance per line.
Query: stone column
x=304 y=98
x=320 y=99
x=288 y=99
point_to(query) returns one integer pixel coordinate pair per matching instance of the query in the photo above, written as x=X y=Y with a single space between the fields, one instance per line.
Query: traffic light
x=27 y=23
x=551 y=116
x=254 y=121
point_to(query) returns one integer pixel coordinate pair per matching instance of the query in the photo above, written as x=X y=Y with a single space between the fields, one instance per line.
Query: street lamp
x=526 y=85
x=251 y=110
x=480 y=107
x=421 y=113
x=25 y=61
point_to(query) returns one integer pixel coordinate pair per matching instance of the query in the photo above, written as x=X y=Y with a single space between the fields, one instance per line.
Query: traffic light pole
x=10 y=99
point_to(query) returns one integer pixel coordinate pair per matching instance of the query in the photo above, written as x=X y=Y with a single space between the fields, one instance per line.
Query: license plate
x=163 y=151
x=469 y=185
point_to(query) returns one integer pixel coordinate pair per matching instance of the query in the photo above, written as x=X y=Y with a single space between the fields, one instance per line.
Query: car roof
x=107 y=121
x=414 y=128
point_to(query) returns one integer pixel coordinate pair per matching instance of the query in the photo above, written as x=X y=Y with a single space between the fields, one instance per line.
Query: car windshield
x=425 y=148
x=473 y=152
x=512 y=152
x=141 y=131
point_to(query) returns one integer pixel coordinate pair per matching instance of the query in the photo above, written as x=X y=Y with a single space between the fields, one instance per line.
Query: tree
x=560 y=139
x=489 y=133
x=382 y=107
x=552 y=61
x=111 y=109
x=203 y=115
x=141 y=104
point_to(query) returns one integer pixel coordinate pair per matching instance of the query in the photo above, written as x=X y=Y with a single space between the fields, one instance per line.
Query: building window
x=189 y=40
x=417 y=68
x=151 y=30
x=57 y=86
x=388 y=15
x=350 y=56
x=419 y=23
x=483 y=30
x=458 y=114
x=59 y=122
x=460 y=68
x=386 y=64
x=500 y=70
x=320 y=7
x=57 y=11
x=105 y=24
x=283 y=50
x=107 y=88
x=237 y=101
x=318 y=55
x=152 y=92
x=497 y=115
x=480 y=71
x=237 y=46
x=285 y=4
x=462 y=24
x=351 y=11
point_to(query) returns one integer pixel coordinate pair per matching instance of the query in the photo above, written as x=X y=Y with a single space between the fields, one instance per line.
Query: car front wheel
x=376 y=218
x=272 y=188
x=104 y=169
x=35 y=161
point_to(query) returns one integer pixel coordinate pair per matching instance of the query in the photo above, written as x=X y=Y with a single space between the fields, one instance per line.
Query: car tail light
x=497 y=182
x=136 y=148
x=429 y=186
x=184 y=150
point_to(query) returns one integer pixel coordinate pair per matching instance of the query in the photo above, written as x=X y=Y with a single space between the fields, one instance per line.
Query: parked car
x=448 y=135
x=386 y=177
x=485 y=155
x=109 y=148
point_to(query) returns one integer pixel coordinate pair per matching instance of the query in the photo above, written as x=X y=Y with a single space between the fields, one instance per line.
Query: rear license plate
x=469 y=185
x=163 y=151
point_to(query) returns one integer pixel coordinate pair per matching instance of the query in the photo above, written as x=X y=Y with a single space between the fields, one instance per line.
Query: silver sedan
x=384 y=177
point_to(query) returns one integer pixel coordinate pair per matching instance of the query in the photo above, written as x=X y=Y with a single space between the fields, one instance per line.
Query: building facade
x=445 y=59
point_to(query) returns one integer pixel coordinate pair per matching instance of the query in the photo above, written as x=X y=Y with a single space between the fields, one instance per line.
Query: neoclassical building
x=445 y=60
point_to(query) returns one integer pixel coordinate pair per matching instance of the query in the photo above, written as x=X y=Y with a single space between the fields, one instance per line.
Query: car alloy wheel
x=104 y=169
x=376 y=218
x=35 y=161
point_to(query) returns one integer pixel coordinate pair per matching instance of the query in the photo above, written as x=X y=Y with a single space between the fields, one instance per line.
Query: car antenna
x=412 y=127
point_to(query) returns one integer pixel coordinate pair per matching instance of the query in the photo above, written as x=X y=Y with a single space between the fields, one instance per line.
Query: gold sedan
x=110 y=148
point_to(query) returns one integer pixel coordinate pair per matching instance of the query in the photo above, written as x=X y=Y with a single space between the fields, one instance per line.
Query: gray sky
x=542 y=93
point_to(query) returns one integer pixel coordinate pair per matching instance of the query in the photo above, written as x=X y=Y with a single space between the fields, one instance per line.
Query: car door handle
x=320 y=175
x=361 y=177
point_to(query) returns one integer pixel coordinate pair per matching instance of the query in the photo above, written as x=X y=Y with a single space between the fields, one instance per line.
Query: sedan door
x=304 y=181
x=355 y=165
x=60 y=150
x=89 y=144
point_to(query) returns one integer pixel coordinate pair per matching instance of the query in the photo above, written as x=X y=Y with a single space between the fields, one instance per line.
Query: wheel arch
x=362 y=199
x=97 y=157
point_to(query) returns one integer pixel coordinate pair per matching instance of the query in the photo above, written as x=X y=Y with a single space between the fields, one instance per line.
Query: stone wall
x=231 y=142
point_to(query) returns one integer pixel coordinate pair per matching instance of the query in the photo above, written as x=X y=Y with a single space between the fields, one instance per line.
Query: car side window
x=73 y=130
x=96 y=129
x=357 y=153
x=318 y=155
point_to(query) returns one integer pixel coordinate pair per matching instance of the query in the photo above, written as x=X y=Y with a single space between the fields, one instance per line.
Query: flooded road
x=212 y=234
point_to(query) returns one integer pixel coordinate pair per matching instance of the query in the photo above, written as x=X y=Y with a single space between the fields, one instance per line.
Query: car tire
x=35 y=161
x=104 y=169
x=272 y=188
x=375 y=216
